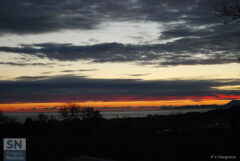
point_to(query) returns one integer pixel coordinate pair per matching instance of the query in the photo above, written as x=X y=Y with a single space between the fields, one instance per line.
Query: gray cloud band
x=202 y=39
x=62 y=88
x=35 y=16
x=186 y=51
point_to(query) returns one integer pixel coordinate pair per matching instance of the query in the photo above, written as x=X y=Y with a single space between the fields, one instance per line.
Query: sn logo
x=14 y=144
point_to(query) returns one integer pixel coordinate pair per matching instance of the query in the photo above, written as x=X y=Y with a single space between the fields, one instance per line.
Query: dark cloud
x=72 y=88
x=87 y=70
x=68 y=71
x=80 y=70
x=50 y=108
x=202 y=38
x=25 y=64
x=48 y=72
x=37 y=16
x=138 y=75
x=216 y=49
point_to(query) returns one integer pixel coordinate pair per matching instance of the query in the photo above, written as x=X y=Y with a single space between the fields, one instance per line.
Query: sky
x=108 y=53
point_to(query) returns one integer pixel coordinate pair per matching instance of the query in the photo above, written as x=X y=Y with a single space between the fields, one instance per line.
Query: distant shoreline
x=20 y=117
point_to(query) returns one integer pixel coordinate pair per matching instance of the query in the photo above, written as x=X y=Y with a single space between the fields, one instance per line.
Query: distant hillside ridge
x=233 y=103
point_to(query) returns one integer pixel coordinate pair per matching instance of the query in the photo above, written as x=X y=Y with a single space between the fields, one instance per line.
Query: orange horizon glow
x=53 y=106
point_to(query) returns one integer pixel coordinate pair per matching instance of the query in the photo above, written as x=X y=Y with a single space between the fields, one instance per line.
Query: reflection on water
x=109 y=114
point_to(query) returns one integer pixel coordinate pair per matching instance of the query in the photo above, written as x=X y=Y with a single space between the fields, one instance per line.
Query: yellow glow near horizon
x=125 y=71
x=230 y=87
x=36 y=107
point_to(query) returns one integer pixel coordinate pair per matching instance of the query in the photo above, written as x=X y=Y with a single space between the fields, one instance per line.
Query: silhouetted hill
x=195 y=107
x=191 y=136
x=233 y=103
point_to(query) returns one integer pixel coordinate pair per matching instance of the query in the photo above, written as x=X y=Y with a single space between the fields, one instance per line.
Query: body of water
x=20 y=117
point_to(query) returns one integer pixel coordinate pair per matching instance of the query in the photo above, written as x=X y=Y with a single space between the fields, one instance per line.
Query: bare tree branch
x=229 y=9
x=70 y=111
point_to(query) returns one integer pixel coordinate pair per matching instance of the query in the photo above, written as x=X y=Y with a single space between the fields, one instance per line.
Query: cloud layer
x=198 y=35
x=186 y=51
x=72 y=88
x=193 y=32
x=38 y=16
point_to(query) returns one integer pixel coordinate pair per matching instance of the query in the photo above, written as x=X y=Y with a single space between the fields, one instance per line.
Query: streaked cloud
x=186 y=51
x=34 y=16
x=73 y=88
x=138 y=75
x=26 y=64
x=80 y=70
x=192 y=32
x=156 y=33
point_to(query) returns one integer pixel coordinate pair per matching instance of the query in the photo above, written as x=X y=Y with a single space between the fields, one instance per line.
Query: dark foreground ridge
x=212 y=135
x=87 y=158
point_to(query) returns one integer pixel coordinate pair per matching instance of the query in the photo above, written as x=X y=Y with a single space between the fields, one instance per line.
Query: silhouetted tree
x=70 y=111
x=28 y=122
x=42 y=117
x=1 y=116
x=235 y=119
x=6 y=118
x=229 y=9
x=64 y=112
x=90 y=113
